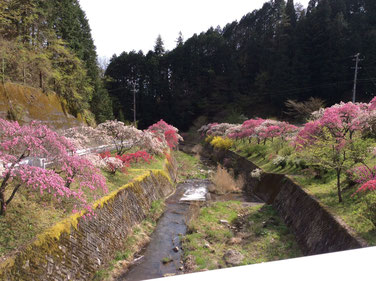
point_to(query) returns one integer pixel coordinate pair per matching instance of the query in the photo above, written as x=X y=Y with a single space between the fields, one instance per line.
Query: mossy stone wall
x=317 y=230
x=75 y=248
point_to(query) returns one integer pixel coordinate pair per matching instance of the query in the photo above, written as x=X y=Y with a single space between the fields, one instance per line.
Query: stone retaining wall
x=75 y=248
x=316 y=229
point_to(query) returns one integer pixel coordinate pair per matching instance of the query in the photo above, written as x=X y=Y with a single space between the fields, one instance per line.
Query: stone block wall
x=75 y=248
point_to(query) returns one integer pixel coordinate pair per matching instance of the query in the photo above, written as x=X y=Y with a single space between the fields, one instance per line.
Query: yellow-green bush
x=209 y=139
x=223 y=143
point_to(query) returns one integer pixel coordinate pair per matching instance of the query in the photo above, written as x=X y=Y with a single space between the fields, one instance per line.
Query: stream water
x=163 y=256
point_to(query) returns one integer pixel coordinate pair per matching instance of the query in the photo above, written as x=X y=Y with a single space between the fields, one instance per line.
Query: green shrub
x=249 y=150
x=287 y=151
x=256 y=150
x=298 y=163
x=277 y=145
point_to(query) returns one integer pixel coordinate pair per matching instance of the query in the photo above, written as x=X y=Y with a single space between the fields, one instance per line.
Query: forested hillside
x=251 y=67
x=48 y=44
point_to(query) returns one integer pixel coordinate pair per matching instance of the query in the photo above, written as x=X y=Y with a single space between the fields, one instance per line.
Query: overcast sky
x=126 y=25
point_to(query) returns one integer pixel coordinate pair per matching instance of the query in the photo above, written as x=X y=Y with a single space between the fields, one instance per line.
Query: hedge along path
x=77 y=246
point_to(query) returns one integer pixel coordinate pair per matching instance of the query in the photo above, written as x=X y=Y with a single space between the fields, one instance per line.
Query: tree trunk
x=13 y=193
x=339 y=186
x=2 y=204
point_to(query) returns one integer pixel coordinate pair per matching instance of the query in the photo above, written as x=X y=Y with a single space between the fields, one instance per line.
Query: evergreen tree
x=159 y=49
x=34 y=36
x=70 y=23
x=180 y=40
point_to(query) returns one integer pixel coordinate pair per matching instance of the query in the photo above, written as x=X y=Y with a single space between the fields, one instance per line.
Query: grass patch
x=350 y=210
x=189 y=166
x=29 y=214
x=135 y=170
x=255 y=232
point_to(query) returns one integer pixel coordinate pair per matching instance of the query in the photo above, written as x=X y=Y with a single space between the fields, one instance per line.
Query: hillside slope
x=25 y=104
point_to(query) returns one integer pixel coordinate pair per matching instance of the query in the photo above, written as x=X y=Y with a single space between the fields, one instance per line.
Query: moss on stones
x=49 y=253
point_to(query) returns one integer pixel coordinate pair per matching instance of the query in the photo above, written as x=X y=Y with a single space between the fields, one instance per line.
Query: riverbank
x=232 y=233
x=355 y=211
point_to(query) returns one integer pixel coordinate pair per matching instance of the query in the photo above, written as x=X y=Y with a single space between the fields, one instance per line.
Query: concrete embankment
x=75 y=248
x=316 y=229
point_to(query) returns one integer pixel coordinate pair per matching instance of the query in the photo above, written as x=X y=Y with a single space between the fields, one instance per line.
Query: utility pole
x=134 y=104
x=133 y=81
x=357 y=60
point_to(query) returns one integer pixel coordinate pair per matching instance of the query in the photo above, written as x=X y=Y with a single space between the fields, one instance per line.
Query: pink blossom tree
x=372 y=104
x=166 y=131
x=153 y=143
x=112 y=164
x=80 y=170
x=17 y=143
x=329 y=141
x=123 y=137
x=205 y=128
x=267 y=129
x=249 y=128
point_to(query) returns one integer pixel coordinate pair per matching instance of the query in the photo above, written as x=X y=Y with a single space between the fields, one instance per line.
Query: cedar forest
x=279 y=52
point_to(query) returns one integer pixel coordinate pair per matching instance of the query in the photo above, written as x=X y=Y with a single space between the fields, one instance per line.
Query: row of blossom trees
x=336 y=138
x=259 y=129
x=157 y=139
x=21 y=142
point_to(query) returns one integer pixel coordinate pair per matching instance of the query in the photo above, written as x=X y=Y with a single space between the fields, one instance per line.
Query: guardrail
x=45 y=163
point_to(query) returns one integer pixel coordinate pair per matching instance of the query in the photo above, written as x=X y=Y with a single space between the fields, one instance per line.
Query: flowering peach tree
x=112 y=164
x=137 y=157
x=123 y=137
x=85 y=136
x=166 y=131
x=333 y=141
x=20 y=143
x=153 y=143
